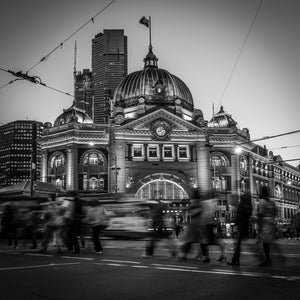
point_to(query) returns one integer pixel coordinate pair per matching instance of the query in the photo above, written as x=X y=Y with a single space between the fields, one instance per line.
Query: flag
x=145 y=21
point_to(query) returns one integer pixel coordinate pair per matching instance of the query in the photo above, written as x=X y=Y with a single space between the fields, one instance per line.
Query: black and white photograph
x=149 y=149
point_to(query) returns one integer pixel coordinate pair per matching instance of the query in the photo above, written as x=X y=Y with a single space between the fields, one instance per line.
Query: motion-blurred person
x=243 y=215
x=193 y=231
x=266 y=225
x=54 y=222
x=74 y=223
x=159 y=230
x=208 y=227
x=97 y=219
x=296 y=224
x=31 y=221
x=49 y=227
x=9 y=224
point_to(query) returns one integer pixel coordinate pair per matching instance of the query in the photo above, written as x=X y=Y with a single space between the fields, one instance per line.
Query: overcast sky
x=197 y=40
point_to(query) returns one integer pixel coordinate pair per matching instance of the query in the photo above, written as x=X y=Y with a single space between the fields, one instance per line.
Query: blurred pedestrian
x=192 y=234
x=208 y=230
x=266 y=223
x=74 y=222
x=96 y=217
x=159 y=230
x=9 y=224
x=31 y=221
x=49 y=227
x=296 y=224
x=243 y=215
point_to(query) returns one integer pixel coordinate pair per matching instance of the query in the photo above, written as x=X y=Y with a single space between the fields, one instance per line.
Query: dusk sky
x=197 y=40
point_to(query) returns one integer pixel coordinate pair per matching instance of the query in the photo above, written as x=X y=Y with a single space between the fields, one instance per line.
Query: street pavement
x=120 y=273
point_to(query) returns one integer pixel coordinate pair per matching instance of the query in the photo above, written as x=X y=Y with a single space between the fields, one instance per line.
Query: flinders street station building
x=156 y=144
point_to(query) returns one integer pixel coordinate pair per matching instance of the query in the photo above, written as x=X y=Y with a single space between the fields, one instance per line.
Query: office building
x=109 y=68
x=20 y=152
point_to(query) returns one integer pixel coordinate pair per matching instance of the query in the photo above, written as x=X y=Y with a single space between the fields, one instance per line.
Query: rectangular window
x=168 y=151
x=182 y=152
x=152 y=151
x=137 y=151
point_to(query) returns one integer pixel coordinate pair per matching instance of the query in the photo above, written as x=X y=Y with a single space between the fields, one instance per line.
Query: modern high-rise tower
x=109 y=68
x=20 y=152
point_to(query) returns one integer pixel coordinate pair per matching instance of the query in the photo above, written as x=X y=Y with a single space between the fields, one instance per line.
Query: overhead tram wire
x=275 y=136
x=36 y=79
x=6 y=84
x=32 y=79
x=285 y=147
x=70 y=36
x=269 y=137
x=240 y=53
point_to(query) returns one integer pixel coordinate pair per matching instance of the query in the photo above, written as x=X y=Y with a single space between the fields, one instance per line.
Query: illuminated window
x=137 y=150
x=183 y=152
x=153 y=151
x=217 y=160
x=93 y=159
x=168 y=151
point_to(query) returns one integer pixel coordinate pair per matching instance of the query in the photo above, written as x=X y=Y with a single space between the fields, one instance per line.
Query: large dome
x=153 y=86
x=221 y=120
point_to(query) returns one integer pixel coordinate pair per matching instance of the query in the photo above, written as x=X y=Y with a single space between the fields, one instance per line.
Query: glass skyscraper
x=20 y=151
x=109 y=68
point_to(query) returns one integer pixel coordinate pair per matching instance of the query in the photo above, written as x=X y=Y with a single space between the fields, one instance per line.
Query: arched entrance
x=169 y=188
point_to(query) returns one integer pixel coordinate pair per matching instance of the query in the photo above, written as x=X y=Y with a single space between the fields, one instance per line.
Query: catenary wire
x=240 y=52
x=32 y=79
x=12 y=81
x=270 y=137
x=285 y=147
x=70 y=36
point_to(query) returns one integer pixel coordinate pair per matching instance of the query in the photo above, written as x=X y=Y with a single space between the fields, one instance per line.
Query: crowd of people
x=62 y=222
x=65 y=220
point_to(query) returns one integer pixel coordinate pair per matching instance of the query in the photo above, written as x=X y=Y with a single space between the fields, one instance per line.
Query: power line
x=12 y=81
x=275 y=136
x=269 y=137
x=60 y=45
x=241 y=50
x=32 y=79
x=285 y=147
x=57 y=90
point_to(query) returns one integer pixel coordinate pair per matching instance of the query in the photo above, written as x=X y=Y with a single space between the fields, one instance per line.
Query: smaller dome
x=72 y=114
x=221 y=120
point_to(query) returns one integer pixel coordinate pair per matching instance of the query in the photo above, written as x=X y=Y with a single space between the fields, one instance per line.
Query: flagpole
x=150 y=30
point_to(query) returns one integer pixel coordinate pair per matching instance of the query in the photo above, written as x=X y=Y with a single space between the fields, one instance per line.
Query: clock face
x=119 y=119
x=160 y=131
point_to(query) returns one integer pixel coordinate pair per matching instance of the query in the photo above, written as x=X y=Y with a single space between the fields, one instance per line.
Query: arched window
x=162 y=189
x=93 y=159
x=57 y=161
x=218 y=160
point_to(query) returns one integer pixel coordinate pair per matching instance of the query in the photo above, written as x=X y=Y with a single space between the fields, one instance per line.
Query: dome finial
x=150 y=60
